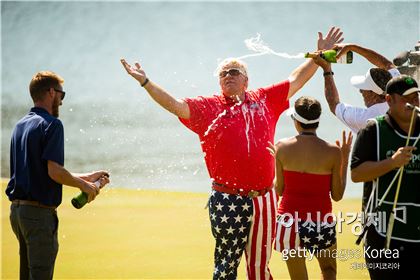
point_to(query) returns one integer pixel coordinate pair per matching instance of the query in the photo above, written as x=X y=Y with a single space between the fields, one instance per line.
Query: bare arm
x=373 y=57
x=339 y=179
x=331 y=93
x=300 y=76
x=279 y=183
x=306 y=70
x=370 y=170
x=60 y=175
x=330 y=89
x=92 y=176
x=176 y=106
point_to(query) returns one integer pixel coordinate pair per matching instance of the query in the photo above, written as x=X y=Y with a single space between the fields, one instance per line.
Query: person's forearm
x=331 y=92
x=164 y=99
x=60 y=175
x=279 y=179
x=83 y=176
x=370 y=170
x=339 y=180
x=373 y=57
x=344 y=165
x=301 y=75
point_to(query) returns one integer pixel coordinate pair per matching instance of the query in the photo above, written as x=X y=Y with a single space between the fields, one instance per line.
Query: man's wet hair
x=41 y=82
x=308 y=108
x=232 y=62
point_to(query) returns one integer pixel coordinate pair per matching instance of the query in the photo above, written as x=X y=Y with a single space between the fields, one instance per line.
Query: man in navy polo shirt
x=37 y=175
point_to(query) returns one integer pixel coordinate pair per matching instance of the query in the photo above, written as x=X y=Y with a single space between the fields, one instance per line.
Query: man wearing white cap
x=371 y=86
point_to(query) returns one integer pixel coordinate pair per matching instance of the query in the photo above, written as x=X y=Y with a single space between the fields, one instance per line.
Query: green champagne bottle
x=80 y=200
x=331 y=56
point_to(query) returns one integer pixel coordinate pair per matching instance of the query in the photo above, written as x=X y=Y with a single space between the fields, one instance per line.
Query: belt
x=249 y=193
x=32 y=203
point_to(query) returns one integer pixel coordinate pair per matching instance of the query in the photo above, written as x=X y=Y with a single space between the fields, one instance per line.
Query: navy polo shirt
x=37 y=138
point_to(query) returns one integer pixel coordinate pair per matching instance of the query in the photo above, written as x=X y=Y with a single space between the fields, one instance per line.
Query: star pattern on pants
x=230 y=219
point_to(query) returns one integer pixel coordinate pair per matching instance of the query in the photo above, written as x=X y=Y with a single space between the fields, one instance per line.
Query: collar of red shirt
x=229 y=101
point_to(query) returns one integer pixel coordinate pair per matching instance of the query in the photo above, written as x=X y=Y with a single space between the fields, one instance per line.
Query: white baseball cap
x=366 y=83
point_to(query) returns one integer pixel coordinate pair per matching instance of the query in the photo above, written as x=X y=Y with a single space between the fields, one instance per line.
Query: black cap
x=402 y=85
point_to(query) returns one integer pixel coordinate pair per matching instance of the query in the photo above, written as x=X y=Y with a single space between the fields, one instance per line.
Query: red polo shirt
x=234 y=136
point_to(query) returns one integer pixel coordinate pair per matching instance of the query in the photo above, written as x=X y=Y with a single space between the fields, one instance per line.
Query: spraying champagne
x=80 y=200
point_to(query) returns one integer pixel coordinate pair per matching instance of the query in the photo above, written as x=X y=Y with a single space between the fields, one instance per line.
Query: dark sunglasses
x=63 y=93
x=232 y=72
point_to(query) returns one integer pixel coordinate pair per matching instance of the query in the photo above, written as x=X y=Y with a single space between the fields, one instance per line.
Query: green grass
x=129 y=234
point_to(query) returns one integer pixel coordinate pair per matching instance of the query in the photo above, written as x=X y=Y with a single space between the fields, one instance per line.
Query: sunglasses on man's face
x=63 y=93
x=232 y=72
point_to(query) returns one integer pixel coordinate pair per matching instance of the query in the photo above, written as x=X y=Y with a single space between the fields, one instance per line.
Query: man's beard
x=55 y=106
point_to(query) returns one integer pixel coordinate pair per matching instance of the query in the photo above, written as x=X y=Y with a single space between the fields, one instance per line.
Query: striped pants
x=242 y=224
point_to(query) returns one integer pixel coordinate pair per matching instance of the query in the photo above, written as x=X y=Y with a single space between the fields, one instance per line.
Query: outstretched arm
x=306 y=70
x=162 y=97
x=330 y=89
x=373 y=57
x=339 y=179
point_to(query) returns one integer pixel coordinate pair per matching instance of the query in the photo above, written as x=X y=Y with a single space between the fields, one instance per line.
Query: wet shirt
x=37 y=138
x=234 y=135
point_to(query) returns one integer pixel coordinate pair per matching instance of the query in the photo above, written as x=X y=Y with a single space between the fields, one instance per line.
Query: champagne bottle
x=331 y=56
x=80 y=200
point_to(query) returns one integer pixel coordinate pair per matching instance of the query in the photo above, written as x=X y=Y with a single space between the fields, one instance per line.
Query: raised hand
x=136 y=72
x=333 y=37
x=345 y=145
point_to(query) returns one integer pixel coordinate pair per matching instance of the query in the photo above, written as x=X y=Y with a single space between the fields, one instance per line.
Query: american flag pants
x=292 y=234
x=239 y=224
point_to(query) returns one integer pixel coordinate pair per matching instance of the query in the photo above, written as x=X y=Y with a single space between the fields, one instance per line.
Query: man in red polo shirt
x=234 y=128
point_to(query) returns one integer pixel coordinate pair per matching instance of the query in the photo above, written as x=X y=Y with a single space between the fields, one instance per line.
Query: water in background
x=111 y=123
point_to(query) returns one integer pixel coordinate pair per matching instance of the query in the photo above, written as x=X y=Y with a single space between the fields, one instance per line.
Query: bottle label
x=346 y=58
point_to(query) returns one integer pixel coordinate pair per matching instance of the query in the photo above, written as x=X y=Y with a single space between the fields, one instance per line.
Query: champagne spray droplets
x=256 y=44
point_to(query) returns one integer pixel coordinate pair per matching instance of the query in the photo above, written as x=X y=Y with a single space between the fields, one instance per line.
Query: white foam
x=257 y=45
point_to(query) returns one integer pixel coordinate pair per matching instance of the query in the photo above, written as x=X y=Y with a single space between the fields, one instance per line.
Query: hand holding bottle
x=94 y=176
x=319 y=60
x=90 y=191
x=331 y=56
x=343 y=48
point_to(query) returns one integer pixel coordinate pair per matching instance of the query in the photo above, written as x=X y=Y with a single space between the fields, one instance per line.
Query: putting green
x=130 y=234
